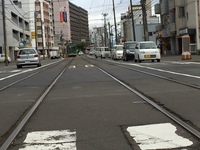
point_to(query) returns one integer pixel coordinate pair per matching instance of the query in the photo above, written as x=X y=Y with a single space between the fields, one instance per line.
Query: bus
x=72 y=50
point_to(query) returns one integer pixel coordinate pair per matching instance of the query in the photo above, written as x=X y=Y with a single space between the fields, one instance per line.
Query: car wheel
x=158 y=60
x=19 y=66
x=135 y=60
x=95 y=56
x=126 y=58
x=38 y=65
x=152 y=60
x=139 y=59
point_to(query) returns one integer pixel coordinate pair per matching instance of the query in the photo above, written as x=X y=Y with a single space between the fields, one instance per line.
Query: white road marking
x=72 y=67
x=46 y=140
x=171 y=72
x=157 y=136
x=21 y=72
x=89 y=66
x=15 y=71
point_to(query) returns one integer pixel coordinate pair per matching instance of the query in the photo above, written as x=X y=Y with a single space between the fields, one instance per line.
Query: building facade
x=36 y=23
x=17 y=28
x=74 y=29
x=127 y=26
x=78 y=24
x=179 y=19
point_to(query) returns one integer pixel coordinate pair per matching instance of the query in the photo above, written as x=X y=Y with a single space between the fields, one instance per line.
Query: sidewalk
x=170 y=57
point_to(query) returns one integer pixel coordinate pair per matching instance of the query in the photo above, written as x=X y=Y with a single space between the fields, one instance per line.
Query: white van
x=2 y=58
x=54 y=54
x=147 y=50
x=102 y=52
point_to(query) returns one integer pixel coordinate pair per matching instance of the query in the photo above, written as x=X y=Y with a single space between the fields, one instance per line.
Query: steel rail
x=19 y=127
x=43 y=69
x=164 y=111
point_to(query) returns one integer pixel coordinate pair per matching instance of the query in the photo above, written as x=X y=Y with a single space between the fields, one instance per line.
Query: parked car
x=92 y=51
x=28 y=56
x=147 y=50
x=129 y=50
x=54 y=54
x=117 y=52
x=102 y=52
x=2 y=58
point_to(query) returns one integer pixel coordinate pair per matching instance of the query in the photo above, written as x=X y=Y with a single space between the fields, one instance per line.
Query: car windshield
x=119 y=47
x=130 y=46
x=27 y=51
x=107 y=49
x=147 y=46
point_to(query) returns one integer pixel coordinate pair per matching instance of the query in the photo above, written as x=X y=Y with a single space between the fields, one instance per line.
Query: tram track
x=187 y=125
x=9 y=137
x=140 y=94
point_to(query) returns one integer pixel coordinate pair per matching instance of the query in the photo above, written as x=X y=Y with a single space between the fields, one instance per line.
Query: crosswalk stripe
x=158 y=136
x=72 y=67
x=45 y=140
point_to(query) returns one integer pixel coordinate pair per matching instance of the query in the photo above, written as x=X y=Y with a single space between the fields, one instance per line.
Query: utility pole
x=115 y=22
x=42 y=23
x=146 y=33
x=35 y=16
x=48 y=29
x=4 y=33
x=105 y=29
x=133 y=24
x=109 y=35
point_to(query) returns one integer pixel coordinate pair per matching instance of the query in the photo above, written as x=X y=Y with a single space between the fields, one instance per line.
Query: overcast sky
x=96 y=8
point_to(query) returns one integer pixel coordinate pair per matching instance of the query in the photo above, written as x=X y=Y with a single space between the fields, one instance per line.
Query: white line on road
x=157 y=136
x=89 y=66
x=72 y=67
x=46 y=140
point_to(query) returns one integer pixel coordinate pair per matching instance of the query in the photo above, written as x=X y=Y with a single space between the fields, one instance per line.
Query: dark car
x=28 y=56
x=129 y=50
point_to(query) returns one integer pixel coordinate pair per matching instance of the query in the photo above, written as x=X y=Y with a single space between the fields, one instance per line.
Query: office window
x=150 y=34
x=182 y=11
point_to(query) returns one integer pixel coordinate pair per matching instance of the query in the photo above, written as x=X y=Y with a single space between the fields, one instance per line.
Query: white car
x=147 y=50
x=2 y=58
x=117 y=52
x=102 y=52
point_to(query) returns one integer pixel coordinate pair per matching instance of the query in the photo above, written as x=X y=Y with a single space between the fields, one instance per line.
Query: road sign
x=24 y=42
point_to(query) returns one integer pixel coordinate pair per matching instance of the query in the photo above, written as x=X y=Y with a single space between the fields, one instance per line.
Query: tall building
x=78 y=24
x=75 y=28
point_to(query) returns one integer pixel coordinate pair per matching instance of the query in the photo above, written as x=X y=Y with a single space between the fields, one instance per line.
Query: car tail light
x=18 y=56
x=36 y=55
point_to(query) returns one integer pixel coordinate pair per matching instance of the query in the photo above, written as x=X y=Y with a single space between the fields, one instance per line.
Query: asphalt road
x=95 y=112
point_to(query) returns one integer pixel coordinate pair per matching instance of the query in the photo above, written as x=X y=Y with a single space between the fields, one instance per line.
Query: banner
x=63 y=14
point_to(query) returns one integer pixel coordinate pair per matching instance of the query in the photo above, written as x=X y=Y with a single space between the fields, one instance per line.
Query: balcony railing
x=157 y=9
x=171 y=5
x=164 y=6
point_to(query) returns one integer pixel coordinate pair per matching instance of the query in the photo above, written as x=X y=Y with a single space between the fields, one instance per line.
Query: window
x=150 y=34
x=181 y=11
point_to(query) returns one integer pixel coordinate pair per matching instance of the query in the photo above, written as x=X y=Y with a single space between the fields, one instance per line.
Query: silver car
x=28 y=56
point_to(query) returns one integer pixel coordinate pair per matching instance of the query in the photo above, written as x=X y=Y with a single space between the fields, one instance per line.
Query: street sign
x=24 y=42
